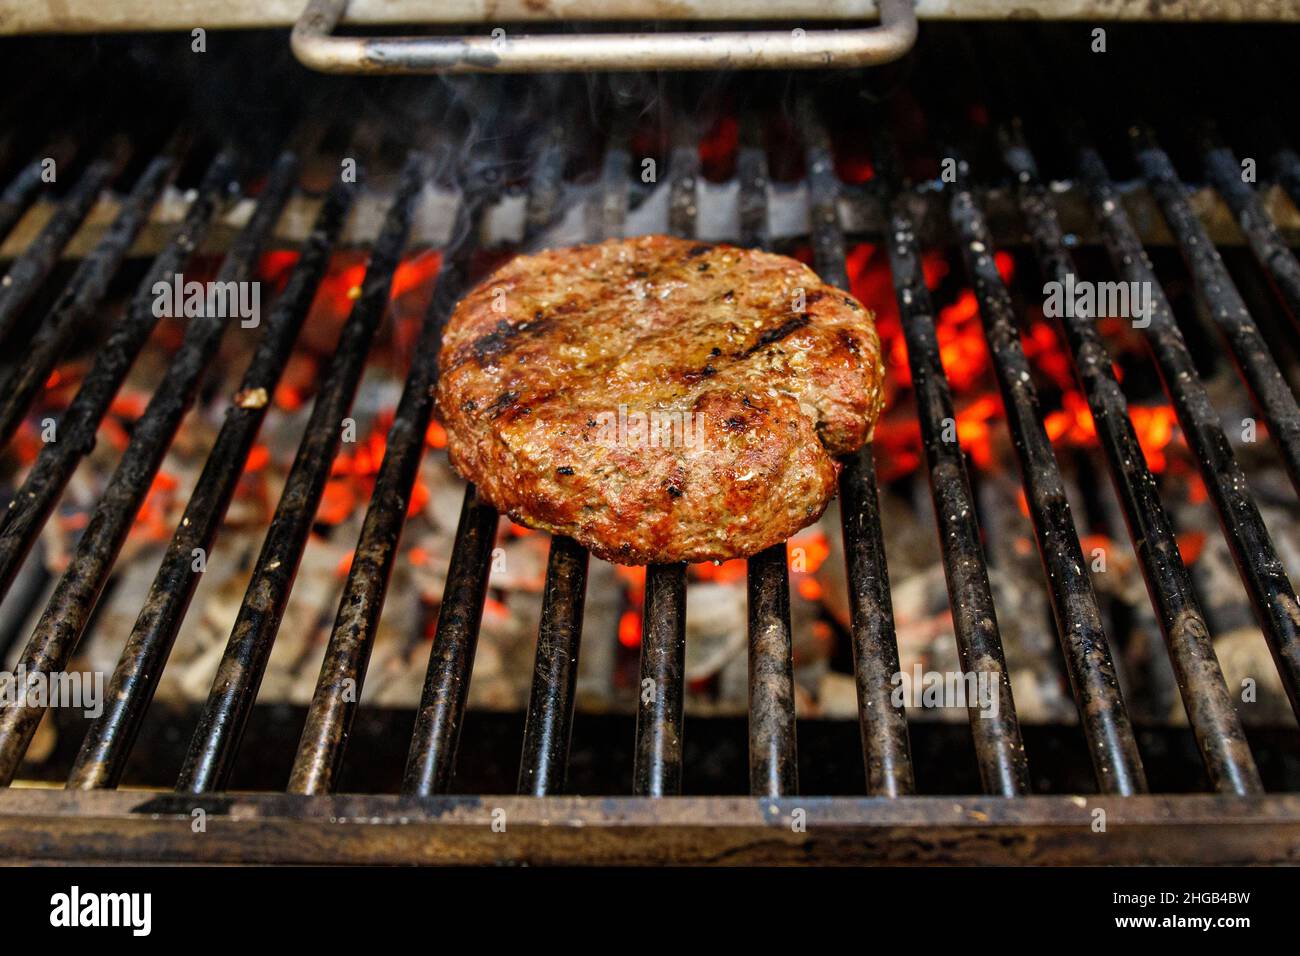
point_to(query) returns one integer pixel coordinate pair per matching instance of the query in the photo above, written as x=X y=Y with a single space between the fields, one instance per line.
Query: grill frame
x=120 y=827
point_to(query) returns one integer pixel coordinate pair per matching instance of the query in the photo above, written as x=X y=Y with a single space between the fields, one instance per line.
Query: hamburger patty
x=658 y=399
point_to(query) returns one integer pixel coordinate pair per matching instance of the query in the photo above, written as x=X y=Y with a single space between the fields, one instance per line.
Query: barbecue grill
x=1018 y=152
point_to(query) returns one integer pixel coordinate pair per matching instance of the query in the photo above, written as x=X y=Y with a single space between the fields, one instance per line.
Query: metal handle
x=315 y=46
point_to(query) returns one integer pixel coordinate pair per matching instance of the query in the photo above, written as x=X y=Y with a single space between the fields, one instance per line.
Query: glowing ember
x=152 y=521
x=629 y=629
x=722 y=573
x=634 y=579
x=966 y=362
x=810 y=589
x=1190 y=546
x=336 y=503
x=259 y=456
x=1154 y=424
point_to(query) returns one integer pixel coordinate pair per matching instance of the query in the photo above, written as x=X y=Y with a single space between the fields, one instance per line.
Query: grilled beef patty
x=658 y=399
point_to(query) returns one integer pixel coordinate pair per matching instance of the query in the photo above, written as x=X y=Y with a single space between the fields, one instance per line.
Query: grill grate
x=892 y=823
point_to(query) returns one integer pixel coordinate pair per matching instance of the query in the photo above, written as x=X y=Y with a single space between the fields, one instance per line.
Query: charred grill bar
x=998 y=743
x=79 y=297
x=1105 y=720
x=1182 y=623
x=885 y=746
x=1272 y=596
x=657 y=767
x=773 y=765
x=19 y=194
x=34 y=501
x=430 y=819
x=1224 y=302
x=108 y=742
x=549 y=722
x=324 y=739
x=60 y=628
x=773 y=761
x=431 y=761
x=33 y=267
x=1270 y=249
x=212 y=750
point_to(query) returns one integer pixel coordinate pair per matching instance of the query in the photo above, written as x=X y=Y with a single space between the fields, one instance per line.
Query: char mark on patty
x=690 y=378
x=503 y=403
x=776 y=334
x=502 y=339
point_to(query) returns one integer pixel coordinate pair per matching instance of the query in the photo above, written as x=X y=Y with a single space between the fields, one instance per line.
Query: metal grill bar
x=1224 y=303
x=657 y=766
x=1271 y=595
x=80 y=297
x=338 y=689
x=1267 y=244
x=108 y=743
x=555 y=673
x=1116 y=762
x=998 y=746
x=548 y=725
x=61 y=625
x=216 y=740
x=31 y=268
x=431 y=761
x=1205 y=697
x=886 y=752
x=34 y=501
x=773 y=761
